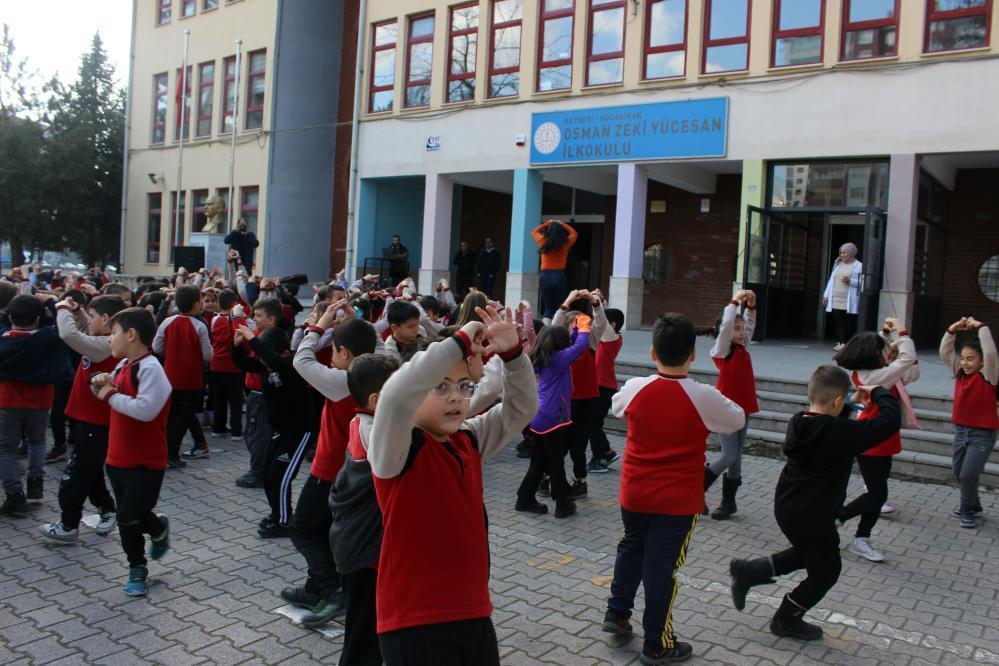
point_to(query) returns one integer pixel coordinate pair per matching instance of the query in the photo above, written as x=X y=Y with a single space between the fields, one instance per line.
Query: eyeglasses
x=445 y=388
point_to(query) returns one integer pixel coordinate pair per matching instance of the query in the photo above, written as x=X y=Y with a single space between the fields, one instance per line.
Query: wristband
x=316 y=329
x=735 y=302
x=113 y=391
x=464 y=343
x=508 y=356
x=903 y=332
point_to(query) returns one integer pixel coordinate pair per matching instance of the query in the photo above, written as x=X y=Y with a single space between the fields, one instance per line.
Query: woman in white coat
x=842 y=295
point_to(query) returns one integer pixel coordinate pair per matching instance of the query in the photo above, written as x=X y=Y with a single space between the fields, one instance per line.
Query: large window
x=504 y=55
x=164 y=10
x=249 y=204
x=188 y=7
x=463 y=40
x=223 y=194
x=555 y=45
x=255 y=90
x=173 y=220
x=200 y=219
x=870 y=29
x=797 y=32
x=829 y=184
x=153 y=223
x=206 y=94
x=383 y=67
x=419 y=61
x=952 y=25
x=605 y=42
x=726 y=36
x=184 y=98
x=159 y=107
x=665 y=39
x=228 y=93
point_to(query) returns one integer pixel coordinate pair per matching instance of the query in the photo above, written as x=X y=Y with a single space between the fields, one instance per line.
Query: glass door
x=873 y=253
x=755 y=265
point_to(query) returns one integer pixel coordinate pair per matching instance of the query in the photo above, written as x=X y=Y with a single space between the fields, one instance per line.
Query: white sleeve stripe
x=718 y=413
x=631 y=388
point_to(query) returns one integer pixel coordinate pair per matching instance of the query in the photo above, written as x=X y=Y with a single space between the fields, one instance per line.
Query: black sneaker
x=15 y=505
x=56 y=454
x=957 y=510
x=597 y=466
x=545 y=487
x=679 y=652
x=198 y=451
x=175 y=463
x=616 y=624
x=565 y=508
x=324 y=611
x=249 y=481
x=612 y=457
x=36 y=487
x=531 y=507
x=273 y=531
x=298 y=596
x=578 y=489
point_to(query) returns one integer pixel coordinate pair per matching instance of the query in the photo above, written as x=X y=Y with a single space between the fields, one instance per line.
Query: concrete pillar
x=522 y=276
x=435 y=259
x=626 y=284
x=900 y=239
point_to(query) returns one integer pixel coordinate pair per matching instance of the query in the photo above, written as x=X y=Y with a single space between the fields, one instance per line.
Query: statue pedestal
x=215 y=248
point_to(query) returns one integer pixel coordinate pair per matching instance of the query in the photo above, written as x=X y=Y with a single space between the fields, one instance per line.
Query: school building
x=279 y=91
x=695 y=145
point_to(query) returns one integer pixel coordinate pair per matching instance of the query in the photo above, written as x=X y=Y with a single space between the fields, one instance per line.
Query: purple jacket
x=555 y=386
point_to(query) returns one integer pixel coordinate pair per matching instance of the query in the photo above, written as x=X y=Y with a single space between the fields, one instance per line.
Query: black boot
x=709 y=478
x=36 y=487
x=787 y=622
x=746 y=574
x=727 y=507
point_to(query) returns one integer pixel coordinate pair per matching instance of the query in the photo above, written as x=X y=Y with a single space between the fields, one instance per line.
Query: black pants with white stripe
x=285 y=452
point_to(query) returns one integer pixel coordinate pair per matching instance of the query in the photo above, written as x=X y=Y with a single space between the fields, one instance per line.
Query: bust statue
x=214 y=211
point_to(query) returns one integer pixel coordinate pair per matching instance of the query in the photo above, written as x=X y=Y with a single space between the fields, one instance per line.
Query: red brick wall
x=341 y=156
x=485 y=213
x=973 y=238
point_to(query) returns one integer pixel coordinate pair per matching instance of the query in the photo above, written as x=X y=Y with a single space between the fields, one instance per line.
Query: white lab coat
x=853 y=295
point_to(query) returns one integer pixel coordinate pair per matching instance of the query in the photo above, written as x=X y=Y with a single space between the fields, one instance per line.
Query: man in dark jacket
x=820 y=448
x=245 y=242
x=490 y=262
x=464 y=269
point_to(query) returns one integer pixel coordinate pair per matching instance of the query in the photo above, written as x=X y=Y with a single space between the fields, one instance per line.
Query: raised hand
x=501 y=333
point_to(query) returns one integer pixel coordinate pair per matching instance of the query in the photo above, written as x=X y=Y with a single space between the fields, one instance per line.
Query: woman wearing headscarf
x=842 y=295
x=554 y=238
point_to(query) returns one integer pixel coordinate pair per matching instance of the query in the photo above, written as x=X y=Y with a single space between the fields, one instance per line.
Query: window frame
x=157 y=95
x=227 y=82
x=451 y=34
x=932 y=15
x=707 y=42
x=543 y=17
x=178 y=129
x=648 y=49
x=251 y=76
x=173 y=219
x=161 y=6
x=206 y=8
x=199 y=209
x=590 y=58
x=159 y=226
x=492 y=70
x=776 y=33
x=410 y=42
x=184 y=4
x=846 y=26
x=200 y=115
x=375 y=48
x=245 y=208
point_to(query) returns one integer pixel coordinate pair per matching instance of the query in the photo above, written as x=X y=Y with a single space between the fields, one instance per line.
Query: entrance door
x=874 y=260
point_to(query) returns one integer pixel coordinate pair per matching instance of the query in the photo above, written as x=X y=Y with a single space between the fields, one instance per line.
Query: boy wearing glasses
x=426 y=459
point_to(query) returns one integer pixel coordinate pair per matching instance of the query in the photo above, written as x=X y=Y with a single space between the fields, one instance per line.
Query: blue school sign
x=694 y=128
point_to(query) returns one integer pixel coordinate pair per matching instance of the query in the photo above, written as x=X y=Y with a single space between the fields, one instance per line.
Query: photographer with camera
x=245 y=242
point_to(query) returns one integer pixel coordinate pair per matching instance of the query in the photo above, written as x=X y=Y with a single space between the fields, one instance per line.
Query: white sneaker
x=107 y=523
x=888 y=509
x=56 y=532
x=863 y=548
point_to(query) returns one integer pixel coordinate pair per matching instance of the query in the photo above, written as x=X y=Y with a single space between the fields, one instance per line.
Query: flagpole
x=179 y=231
x=232 y=148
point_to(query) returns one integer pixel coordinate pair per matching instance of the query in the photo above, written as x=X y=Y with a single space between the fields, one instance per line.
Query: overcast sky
x=52 y=34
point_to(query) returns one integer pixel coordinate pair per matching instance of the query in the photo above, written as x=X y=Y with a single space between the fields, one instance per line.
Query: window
x=200 y=219
x=657 y=264
x=206 y=95
x=504 y=55
x=829 y=184
x=188 y=7
x=383 y=67
x=249 y=203
x=665 y=39
x=186 y=98
x=173 y=220
x=952 y=25
x=870 y=29
x=153 y=228
x=726 y=36
x=159 y=107
x=228 y=93
x=988 y=278
x=555 y=45
x=797 y=32
x=605 y=42
x=223 y=194
x=419 y=61
x=255 y=90
x=209 y=4
x=463 y=40
x=164 y=8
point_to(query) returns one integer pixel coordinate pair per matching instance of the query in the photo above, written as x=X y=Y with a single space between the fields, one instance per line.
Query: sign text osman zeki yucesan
x=692 y=128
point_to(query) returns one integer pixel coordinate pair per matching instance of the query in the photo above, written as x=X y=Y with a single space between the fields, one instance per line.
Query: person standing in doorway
x=842 y=295
x=399 y=254
x=490 y=263
x=245 y=242
x=464 y=269
x=554 y=238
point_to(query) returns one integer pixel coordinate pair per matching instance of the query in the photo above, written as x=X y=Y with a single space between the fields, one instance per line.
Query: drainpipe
x=124 y=169
x=354 y=126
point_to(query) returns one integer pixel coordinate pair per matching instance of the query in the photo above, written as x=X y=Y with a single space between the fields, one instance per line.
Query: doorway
x=583 y=269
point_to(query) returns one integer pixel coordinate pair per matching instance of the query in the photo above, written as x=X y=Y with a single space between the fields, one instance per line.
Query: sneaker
x=57 y=532
x=160 y=544
x=531 y=507
x=220 y=433
x=198 y=451
x=16 y=505
x=968 y=520
x=175 y=463
x=56 y=454
x=888 y=509
x=273 y=530
x=236 y=436
x=616 y=624
x=975 y=510
x=324 y=611
x=107 y=523
x=612 y=457
x=545 y=487
x=679 y=652
x=578 y=489
x=597 y=466
x=136 y=585
x=36 y=487
x=249 y=481
x=298 y=596
x=864 y=549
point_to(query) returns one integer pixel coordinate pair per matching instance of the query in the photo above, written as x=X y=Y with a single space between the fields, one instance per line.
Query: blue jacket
x=555 y=386
x=41 y=358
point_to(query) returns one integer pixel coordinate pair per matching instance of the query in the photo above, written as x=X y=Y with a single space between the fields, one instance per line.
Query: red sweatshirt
x=183 y=343
x=83 y=405
x=222 y=330
x=606 y=357
x=975 y=402
x=893 y=444
x=137 y=436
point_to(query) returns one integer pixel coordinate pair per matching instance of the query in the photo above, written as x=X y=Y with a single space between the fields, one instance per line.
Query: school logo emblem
x=547 y=138
x=85 y=362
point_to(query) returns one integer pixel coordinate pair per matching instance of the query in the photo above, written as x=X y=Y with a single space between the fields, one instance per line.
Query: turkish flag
x=179 y=96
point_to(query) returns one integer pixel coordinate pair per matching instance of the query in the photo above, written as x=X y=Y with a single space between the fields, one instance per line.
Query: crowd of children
x=398 y=399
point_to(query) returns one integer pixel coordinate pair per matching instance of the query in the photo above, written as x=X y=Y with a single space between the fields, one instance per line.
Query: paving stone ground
x=214 y=597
